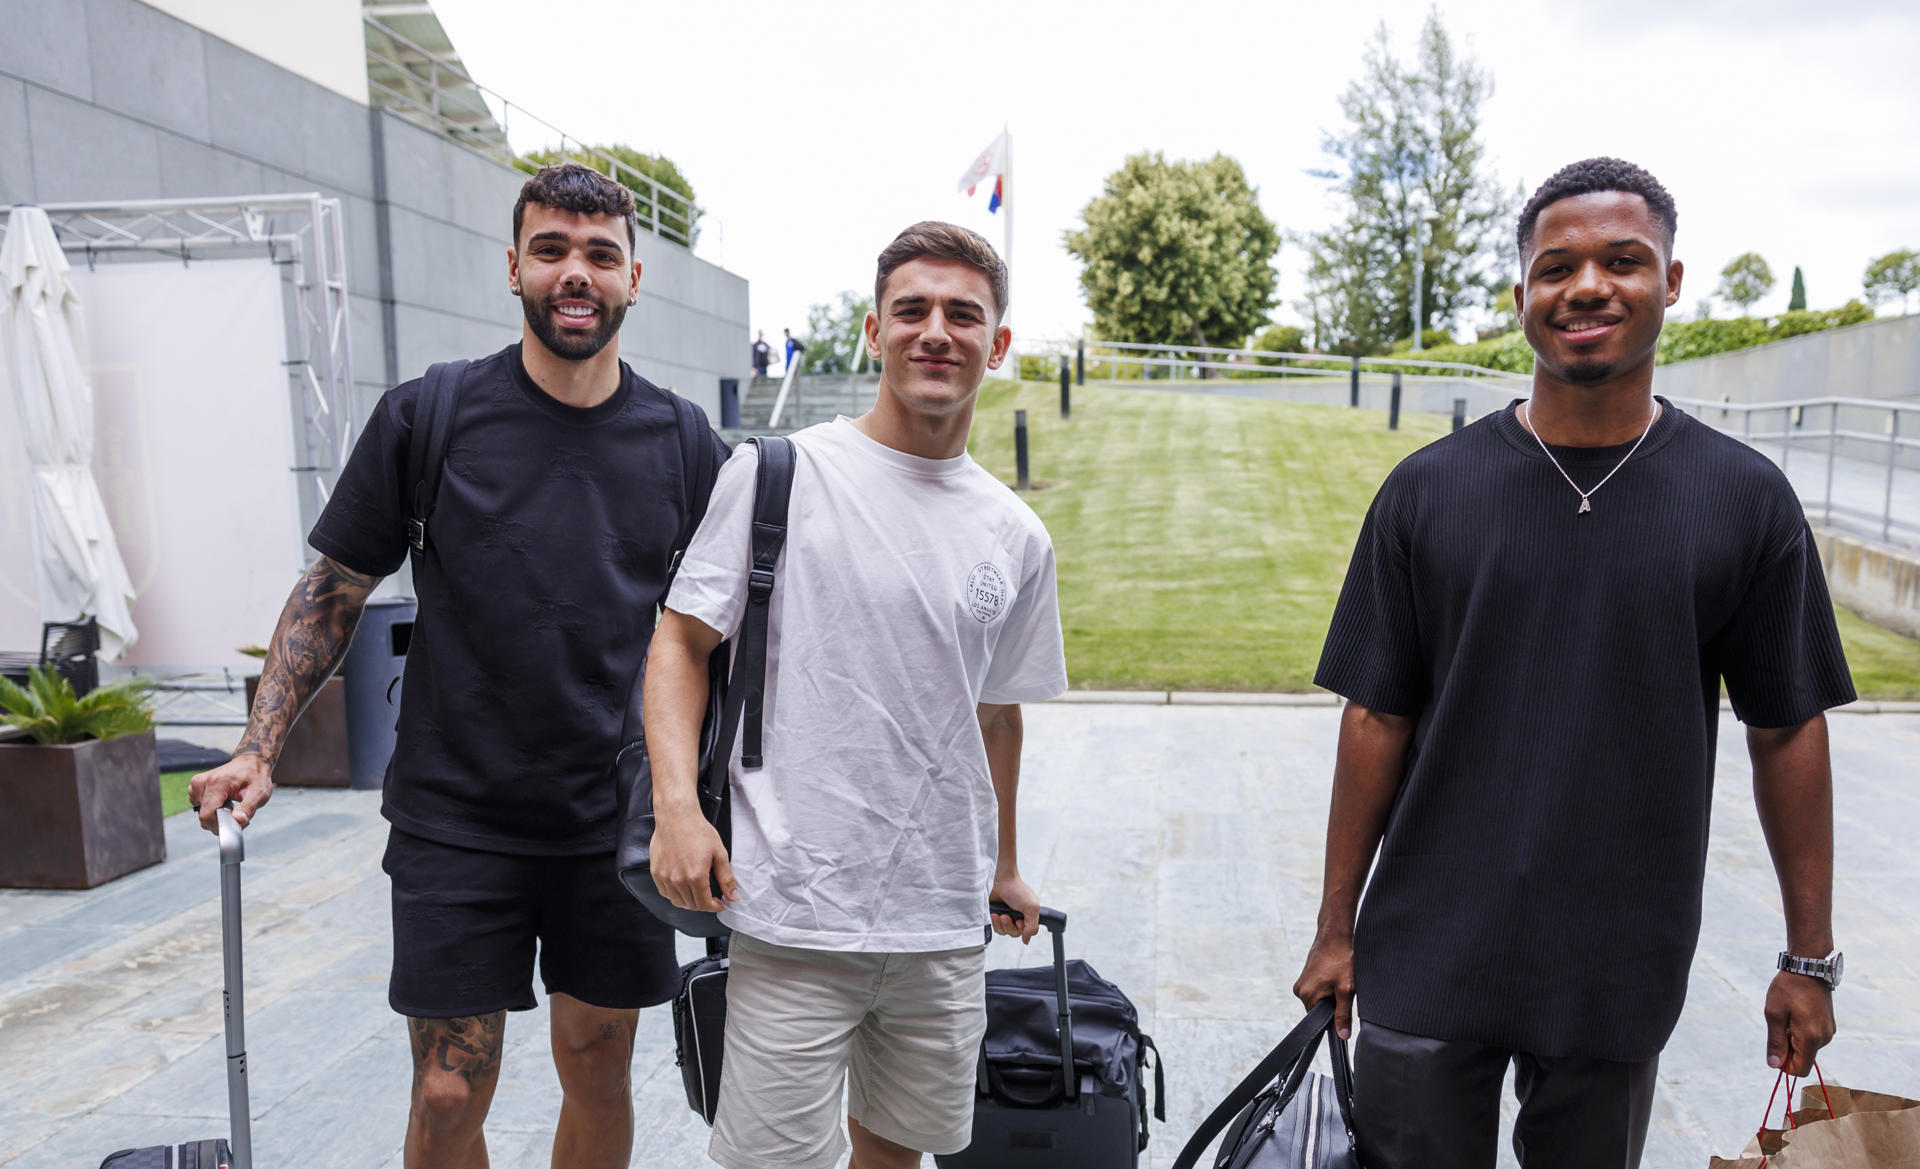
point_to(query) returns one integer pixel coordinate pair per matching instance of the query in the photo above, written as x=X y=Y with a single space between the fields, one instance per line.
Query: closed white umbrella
x=42 y=335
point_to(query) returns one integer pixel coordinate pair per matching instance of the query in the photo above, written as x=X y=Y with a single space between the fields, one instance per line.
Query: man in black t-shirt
x=565 y=491
x=1532 y=638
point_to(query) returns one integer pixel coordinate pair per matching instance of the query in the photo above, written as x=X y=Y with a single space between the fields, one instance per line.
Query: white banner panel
x=193 y=441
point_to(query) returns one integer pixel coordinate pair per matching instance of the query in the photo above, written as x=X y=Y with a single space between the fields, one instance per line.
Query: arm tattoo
x=469 y=1047
x=309 y=642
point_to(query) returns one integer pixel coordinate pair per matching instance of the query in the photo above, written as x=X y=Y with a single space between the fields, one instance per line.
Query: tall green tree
x=1797 y=299
x=834 y=333
x=1744 y=280
x=671 y=206
x=1176 y=253
x=1894 y=274
x=1410 y=156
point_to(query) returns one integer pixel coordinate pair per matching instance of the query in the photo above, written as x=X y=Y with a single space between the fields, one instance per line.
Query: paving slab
x=1184 y=841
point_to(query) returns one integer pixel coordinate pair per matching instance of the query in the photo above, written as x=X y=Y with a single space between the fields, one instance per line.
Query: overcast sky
x=813 y=132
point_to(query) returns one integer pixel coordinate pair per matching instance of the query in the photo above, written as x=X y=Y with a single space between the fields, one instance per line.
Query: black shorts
x=465 y=923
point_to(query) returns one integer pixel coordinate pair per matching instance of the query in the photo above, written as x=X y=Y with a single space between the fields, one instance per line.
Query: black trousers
x=1423 y=1103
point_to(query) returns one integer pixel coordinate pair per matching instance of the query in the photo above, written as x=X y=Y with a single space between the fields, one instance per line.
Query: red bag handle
x=1788 y=1107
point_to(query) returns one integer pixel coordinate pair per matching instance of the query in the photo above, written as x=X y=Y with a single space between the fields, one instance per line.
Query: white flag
x=992 y=161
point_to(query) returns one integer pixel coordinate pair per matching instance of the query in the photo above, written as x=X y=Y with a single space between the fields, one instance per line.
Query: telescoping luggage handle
x=1056 y=923
x=233 y=850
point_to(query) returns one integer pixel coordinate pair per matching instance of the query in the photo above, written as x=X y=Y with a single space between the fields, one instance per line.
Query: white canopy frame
x=305 y=233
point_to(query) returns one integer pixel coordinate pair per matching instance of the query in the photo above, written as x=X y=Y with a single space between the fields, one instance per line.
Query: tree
x=834 y=334
x=1176 y=253
x=672 y=210
x=1894 y=274
x=1410 y=151
x=1744 y=280
x=1797 y=299
x=1280 y=339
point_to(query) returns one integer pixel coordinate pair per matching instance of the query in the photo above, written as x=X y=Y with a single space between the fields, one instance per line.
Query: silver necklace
x=1586 y=496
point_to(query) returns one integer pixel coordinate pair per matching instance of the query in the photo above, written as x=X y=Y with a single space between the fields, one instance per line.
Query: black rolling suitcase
x=217 y=1153
x=1026 y=1114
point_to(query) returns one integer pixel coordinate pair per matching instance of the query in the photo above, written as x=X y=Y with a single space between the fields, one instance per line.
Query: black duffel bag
x=1284 y=1115
x=733 y=707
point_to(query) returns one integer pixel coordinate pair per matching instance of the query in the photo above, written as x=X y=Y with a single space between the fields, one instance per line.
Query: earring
x=632 y=300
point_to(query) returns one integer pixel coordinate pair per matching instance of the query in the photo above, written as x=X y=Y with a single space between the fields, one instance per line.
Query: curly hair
x=1598 y=174
x=572 y=187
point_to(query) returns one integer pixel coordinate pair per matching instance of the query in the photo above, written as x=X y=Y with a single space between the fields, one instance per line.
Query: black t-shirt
x=1539 y=883
x=546 y=558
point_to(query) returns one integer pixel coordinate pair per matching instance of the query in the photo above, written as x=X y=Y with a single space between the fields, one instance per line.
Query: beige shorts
x=901 y=1030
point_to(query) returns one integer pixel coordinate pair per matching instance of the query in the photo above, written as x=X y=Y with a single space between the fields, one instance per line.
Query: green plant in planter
x=48 y=709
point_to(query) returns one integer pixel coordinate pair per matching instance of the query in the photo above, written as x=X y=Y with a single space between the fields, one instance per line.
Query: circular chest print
x=986 y=592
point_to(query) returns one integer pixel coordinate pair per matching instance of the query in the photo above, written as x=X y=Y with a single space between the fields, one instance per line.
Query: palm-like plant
x=48 y=709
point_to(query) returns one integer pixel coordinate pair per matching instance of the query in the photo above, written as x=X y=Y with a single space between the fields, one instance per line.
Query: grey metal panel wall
x=114 y=100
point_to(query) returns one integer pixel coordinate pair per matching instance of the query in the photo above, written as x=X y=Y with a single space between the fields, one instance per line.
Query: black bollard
x=1393 y=405
x=1020 y=448
x=1080 y=364
x=1459 y=413
x=1353 y=397
x=1066 y=399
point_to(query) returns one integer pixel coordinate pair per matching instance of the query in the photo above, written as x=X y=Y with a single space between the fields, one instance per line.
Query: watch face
x=1839 y=963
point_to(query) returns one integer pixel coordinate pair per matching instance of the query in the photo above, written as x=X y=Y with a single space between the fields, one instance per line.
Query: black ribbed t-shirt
x=547 y=555
x=1538 y=886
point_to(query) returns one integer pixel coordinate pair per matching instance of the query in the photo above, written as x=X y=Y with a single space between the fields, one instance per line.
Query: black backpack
x=433 y=415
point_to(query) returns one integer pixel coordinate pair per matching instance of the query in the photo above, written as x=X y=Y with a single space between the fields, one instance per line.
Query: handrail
x=656 y=211
x=786 y=383
x=1175 y=355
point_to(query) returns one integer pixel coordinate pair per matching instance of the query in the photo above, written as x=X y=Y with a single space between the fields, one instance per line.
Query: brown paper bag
x=1867 y=1130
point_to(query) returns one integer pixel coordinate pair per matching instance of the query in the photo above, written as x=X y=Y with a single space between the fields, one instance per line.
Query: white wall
x=321 y=40
x=192 y=444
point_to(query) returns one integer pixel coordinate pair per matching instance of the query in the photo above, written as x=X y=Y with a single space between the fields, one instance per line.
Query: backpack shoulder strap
x=427 y=448
x=772 y=490
x=698 y=469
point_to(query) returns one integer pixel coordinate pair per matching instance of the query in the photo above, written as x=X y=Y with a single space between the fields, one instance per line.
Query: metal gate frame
x=303 y=232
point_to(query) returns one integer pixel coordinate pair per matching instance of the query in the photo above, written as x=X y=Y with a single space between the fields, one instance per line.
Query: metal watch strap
x=1826 y=969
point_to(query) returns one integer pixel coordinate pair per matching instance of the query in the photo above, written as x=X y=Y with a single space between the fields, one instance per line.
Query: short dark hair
x=943 y=241
x=1598 y=174
x=572 y=187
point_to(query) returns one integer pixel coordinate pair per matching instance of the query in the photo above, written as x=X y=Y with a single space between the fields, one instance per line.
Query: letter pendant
x=1585 y=507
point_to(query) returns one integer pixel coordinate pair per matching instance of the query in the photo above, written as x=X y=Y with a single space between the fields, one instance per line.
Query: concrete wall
x=105 y=100
x=1878 y=359
x=1875 y=581
x=321 y=40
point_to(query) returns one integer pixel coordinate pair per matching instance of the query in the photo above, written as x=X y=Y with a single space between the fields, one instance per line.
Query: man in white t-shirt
x=914 y=611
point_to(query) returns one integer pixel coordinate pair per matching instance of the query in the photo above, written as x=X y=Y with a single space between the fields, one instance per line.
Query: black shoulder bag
x=1272 y=1124
x=734 y=707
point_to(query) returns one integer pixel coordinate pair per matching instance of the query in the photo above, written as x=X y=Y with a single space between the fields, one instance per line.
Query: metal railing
x=1879 y=454
x=1844 y=456
x=1117 y=355
x=487 y=128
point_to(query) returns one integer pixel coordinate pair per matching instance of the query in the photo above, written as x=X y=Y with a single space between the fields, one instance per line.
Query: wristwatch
x=1825 y=969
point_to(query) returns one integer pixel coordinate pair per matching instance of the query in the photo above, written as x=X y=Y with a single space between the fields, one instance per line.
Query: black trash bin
x=729 y=402
x=376 y=658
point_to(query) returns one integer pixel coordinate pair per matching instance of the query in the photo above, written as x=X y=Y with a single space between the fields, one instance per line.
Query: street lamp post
x=1420 y=240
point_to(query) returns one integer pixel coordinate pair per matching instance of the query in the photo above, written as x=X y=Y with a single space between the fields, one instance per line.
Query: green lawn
x=173 y=791
x=1202 y=540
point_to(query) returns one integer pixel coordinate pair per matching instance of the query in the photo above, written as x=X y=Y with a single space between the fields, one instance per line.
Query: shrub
x=48 y=709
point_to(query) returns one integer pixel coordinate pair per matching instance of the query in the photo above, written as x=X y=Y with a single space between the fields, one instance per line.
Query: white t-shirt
x=909 y=591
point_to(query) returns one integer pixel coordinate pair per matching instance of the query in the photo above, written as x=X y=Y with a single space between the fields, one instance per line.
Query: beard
x=1589 y=373
x=572 y=344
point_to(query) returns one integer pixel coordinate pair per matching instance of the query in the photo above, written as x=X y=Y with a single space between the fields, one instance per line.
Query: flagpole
x=1006 y=208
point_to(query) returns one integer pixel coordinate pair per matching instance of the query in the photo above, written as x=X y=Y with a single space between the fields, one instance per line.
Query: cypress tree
x=1797 y=300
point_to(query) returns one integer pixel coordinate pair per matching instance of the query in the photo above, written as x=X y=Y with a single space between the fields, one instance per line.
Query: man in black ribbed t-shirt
x=1532 y=637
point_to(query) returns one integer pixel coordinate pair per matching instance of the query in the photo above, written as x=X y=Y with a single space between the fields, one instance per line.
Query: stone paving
x=1183 y=840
